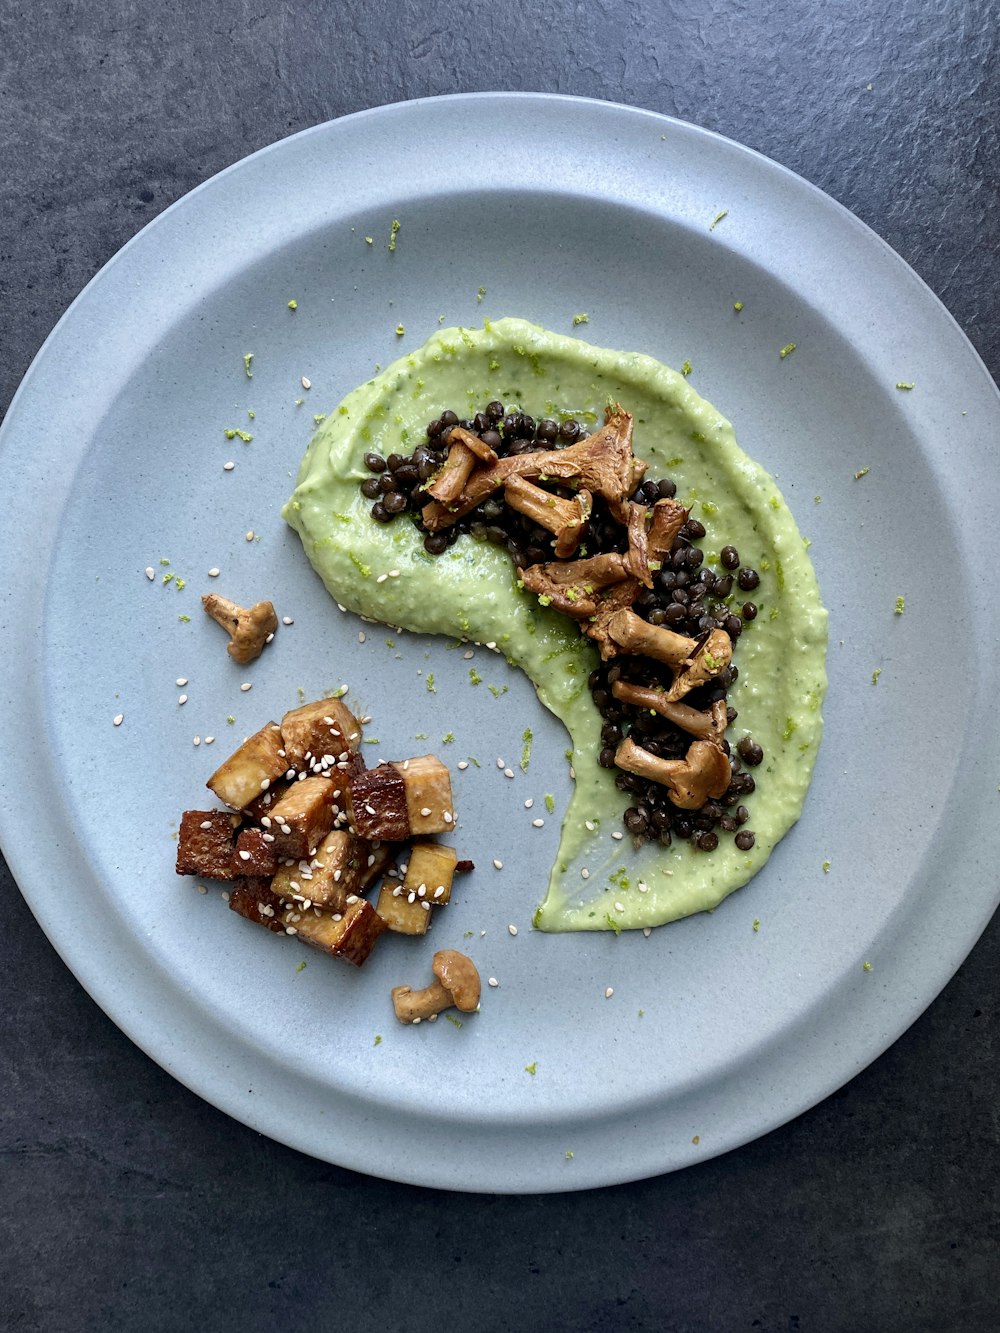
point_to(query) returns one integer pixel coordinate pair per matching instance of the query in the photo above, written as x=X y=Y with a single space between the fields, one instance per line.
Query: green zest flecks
x=471 y=593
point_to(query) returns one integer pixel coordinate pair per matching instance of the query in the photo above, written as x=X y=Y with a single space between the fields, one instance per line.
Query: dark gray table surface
x=125 y=1201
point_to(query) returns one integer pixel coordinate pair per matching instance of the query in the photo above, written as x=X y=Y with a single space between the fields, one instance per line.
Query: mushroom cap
x=459 y=976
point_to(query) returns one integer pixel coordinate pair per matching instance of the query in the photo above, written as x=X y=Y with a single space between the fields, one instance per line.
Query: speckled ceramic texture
x=113 y=454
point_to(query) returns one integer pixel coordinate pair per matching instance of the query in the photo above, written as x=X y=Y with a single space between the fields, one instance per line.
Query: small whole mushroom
x=456 y=984
x=249 y=628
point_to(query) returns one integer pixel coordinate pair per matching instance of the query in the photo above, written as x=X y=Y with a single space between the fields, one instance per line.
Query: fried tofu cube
x=428 y=794
x=342 y=869
x=350 y=935
x=401 y=910
x=253 y=899
x=303 y=816
x=430 y=871
x=399 y=800
x=205 y=844
x=326 y=729
x=254 y=853
x=251 y=769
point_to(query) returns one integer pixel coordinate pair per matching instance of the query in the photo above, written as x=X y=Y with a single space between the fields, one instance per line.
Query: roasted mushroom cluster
x=619 y=555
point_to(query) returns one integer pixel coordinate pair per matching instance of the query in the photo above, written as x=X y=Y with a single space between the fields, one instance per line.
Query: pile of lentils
x=686 y=597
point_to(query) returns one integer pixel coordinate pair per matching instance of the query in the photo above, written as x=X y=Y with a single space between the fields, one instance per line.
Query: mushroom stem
x=565 y=518
x=411 y=1005
x=570 y=584
x=464 y=452
x=704 y=772
x=695 y=723
x=248 y=628
x=638 y=636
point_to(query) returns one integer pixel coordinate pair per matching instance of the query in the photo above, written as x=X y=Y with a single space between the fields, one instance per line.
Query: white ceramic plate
x=113 y=458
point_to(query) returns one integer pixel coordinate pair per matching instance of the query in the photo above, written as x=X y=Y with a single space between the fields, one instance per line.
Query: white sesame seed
x=270 y=638
x=498 y=863
x=462 y=764
x=118 y=719
x=439 y=891
x=196 y=740
x=646 y=930
x=244 y=856
x=182 y=698
x=617 y=836
x=417 y=1020
x=287 y=620
x=250 y=535
x=500 y=763
x=361 y=636
x=394 y=573
x=447 y=816
x=202 y=888
x=213 y=573
x=609 y=992
x=290 y=930
x=538 y=823
x=426 y=906
x=512 y=930
x=381 y=578
x=205 y=823
x=572 y=772
x=529 y=803
x=228 y=467
x=247 y=685
x=181 y=680
x=150 y=573
x=469 y=655
x=411 y=897
x=492 y=644
x=425 y=810
x=588 y=824
x=585 y=873
x=643 y=888
x=508 y=772
x=306 y=383
x=619 y=907
x=492 y=981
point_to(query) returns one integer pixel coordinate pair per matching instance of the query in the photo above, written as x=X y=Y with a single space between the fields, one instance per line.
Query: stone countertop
x=130 y=1203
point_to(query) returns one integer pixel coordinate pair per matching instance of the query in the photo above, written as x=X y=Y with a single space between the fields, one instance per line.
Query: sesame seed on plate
x=250 y=535
x=500 y=763
x=209 y=740
x=512 y=930
x=213 y=573
x=585 y=873
x=492 y=981
x=287 y=620
x=150 y=573
x=118 y=719
x=469 y=655
x=394 y=573
x=228 y=467
x=498 y=863
x=181 y=680
x=196 y=740
x=508 y=772
x=588 y=824
x=381 y=578
x=609 y=992
x=617 y=836
x=182 y=698
x=647 y=931
x=306 y=383
x=361 y=636
x=538 y=823
x=529 y=803
x=247 y=685
x=619 y=907
x=463 y=765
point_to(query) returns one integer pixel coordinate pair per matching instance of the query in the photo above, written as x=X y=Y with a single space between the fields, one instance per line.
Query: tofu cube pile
x=308 y=830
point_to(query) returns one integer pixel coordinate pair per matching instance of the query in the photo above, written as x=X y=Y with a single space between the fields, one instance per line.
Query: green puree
x=471 y=593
